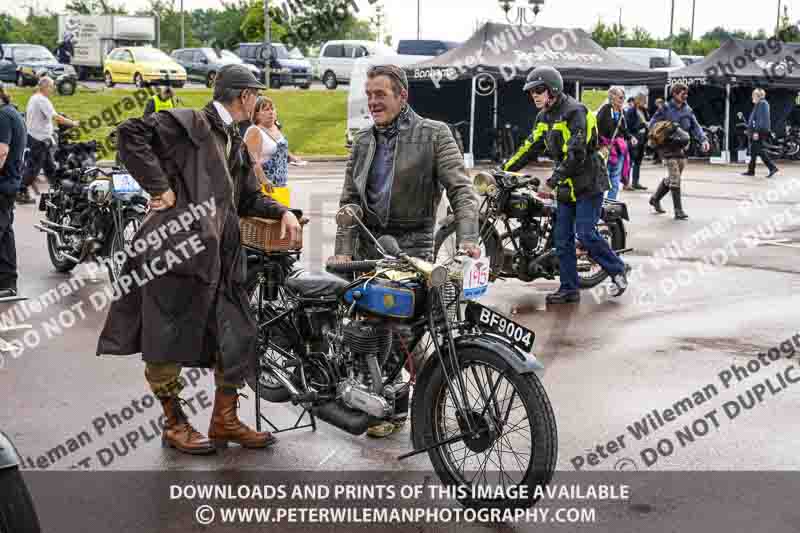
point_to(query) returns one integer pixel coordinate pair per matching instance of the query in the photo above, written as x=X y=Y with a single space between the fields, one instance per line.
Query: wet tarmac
x=684 y=326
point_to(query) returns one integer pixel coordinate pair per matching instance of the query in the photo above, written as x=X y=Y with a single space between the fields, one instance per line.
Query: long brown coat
x=199 y=308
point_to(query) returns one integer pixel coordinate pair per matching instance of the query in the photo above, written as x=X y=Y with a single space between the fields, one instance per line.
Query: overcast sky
x=455 y=19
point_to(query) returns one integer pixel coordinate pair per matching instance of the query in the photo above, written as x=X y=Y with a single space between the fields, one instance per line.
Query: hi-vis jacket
x=567 y=134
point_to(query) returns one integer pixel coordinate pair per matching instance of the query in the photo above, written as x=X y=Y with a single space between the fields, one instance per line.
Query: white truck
x=94 y=36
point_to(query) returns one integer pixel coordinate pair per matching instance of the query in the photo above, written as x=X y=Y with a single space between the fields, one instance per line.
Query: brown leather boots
x=179 y=433
x=226 y=426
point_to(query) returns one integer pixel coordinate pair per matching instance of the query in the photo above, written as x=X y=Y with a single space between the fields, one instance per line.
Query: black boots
x=560 y=297
x=660 y=193
x=676 y=201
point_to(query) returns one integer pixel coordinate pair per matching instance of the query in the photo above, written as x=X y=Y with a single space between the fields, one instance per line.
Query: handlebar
x=351 y=267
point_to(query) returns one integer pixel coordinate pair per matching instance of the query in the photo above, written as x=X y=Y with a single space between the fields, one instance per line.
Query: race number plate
x=519 y=336
x=476 y=278
x=125 y=184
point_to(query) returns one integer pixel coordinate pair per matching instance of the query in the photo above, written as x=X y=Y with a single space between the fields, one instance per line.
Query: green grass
x=313 y=121
x=593 y=98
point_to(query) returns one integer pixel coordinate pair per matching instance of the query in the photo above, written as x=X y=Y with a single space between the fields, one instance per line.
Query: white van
x=358 y=116
x=654 y=58
x=337 y=58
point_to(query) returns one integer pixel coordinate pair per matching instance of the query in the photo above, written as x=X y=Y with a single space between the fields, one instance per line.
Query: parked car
x=202 y=64
x=434 y=48
x=653 y=58
x=284 y=70
x=692 y=59
x=337 y=59
x=142 y=65
x=24 y=64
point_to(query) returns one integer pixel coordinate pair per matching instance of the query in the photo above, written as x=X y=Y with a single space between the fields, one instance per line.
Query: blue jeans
x=580 y=220
x=615 y=175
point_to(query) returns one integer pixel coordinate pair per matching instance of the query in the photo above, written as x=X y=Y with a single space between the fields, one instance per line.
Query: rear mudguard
x=614 y=210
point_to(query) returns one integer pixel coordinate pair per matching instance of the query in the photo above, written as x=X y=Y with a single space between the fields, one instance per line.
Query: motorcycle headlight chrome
x=483 y=181
x=99 y=191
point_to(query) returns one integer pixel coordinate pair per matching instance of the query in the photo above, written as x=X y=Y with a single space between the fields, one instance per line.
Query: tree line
x=682 y=42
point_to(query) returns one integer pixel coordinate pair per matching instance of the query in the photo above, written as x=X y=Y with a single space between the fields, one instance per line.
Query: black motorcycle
x=336 y=344
x=91 y=214
x=517 y=230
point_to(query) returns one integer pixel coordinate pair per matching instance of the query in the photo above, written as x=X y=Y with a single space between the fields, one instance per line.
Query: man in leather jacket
x=567 y=132
x=396 y=172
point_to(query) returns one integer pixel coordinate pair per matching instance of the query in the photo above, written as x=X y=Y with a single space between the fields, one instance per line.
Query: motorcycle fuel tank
x=386 y=298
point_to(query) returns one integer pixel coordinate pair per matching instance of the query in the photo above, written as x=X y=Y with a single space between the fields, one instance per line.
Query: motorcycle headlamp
x=484 y=183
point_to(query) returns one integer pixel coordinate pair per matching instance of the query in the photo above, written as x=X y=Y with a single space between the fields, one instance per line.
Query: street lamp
x=522 y=10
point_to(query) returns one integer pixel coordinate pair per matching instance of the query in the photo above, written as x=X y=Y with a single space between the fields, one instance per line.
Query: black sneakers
x=559 y=297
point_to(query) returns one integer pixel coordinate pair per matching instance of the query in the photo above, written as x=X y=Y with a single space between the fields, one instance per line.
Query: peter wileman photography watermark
x=780 y=378
x=165 y=255
x=134 y=416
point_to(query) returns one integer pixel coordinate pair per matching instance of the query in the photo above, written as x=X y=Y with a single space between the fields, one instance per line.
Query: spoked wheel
x=279 y=334
x=123 y=240
x=590 y=273
x=57 y=257
x=513 y=441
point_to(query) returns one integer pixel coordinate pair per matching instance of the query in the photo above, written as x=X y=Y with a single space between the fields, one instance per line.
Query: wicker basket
x=264 y=234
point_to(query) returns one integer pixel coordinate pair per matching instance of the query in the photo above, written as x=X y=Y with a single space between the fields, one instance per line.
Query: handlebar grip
x=350 y=267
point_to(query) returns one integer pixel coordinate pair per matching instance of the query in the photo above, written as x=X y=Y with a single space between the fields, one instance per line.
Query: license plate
x=125 y=184
x=517 y=335
x=476 y=278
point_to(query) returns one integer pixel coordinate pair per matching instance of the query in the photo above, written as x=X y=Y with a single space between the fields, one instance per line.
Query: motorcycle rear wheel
x=506 y=429
x=615 y=237
x=60 y=263
x=280 y=333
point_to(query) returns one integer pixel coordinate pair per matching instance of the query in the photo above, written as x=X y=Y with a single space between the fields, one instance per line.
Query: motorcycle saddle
x=315 y=284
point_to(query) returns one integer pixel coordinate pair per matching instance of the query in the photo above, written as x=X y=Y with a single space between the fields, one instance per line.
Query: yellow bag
x=281 y=195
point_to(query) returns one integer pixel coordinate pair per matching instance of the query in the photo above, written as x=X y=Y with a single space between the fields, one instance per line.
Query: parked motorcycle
x=90 y=214
x=786 y=147
x=336 y=346
x=517 y=230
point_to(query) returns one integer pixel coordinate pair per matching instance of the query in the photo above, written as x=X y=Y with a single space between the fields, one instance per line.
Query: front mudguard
x=519 y=363
x=9 y=458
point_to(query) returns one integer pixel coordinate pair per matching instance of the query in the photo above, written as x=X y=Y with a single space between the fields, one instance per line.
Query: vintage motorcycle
x=336 y=346
x=517 y=230
x=91 y=214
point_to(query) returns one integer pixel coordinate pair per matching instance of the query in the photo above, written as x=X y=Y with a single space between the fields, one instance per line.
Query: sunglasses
x=541 y=89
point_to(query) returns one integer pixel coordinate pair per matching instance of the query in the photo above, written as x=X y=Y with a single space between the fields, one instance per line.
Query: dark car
x=24 y=64
x=424 y=47
x=284 y=70
x=202 y=64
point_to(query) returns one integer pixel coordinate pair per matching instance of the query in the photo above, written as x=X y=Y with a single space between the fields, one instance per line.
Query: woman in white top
x=268 y=147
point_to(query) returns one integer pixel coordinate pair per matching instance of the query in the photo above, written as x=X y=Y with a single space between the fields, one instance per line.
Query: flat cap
x=236 y=76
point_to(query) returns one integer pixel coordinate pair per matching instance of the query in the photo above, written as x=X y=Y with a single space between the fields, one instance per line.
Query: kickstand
x=312 y=423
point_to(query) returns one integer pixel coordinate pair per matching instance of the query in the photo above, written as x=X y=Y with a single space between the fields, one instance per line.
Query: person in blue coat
x=758 y=128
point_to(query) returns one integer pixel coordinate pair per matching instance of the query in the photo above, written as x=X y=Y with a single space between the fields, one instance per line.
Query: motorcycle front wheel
x=122 y=240
x=517 y=442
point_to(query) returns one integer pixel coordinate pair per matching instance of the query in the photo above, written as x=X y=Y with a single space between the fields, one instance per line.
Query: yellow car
x=142 y=66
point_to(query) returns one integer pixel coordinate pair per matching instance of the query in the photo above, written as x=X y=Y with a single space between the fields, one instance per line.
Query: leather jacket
x=426 y=163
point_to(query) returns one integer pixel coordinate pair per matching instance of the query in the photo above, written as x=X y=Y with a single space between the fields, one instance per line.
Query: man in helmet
x=567 y=132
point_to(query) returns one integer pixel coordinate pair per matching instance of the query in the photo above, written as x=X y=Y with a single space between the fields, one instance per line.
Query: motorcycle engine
x=369 y=344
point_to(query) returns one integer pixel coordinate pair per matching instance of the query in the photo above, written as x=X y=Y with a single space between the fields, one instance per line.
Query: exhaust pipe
x=59 y=242
x=53 y=225
x=283 y=377
x=336 y=414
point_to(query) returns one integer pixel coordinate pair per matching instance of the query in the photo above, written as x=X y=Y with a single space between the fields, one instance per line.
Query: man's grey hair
x=46 y=81
x=226 y=96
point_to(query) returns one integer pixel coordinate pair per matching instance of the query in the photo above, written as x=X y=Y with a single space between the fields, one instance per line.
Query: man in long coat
x=195 y=311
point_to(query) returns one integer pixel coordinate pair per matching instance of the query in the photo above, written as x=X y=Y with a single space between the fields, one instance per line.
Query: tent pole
x=495 y=108
x=728 y=119
x=472 y=120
